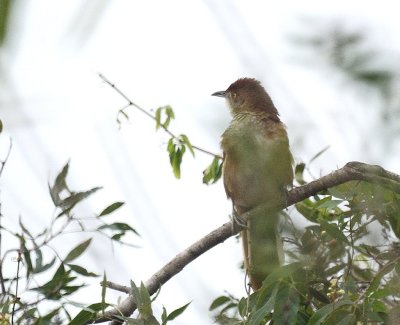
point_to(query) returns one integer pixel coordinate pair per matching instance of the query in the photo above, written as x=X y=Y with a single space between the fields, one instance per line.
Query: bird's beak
x=220 y=94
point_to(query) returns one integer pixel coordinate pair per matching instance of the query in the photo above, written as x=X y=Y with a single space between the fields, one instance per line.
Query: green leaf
x=164 y=314
x=143 y=301
x=146 y=301
x=120 y=226
x=77 y=251
x=333 y=230
x=175 y=313
x=318 y=154
x=318 y=295
x=59 y=185
x=111 y=208
x=5 y=14
x=347 y=320
x=330 y=204
x=39 y=267
x=58 y=285
x=286 y=305
x=1 y=126
x=281 y=273
x=87 y=314
x=258 y=316
x=69 y=203
x=298 y=173
x=213 y=172
x=374 y=284
x=158 y=117
x=23 y=228
x=176 y=152
x=162 y=121
x=321 y=314
x=81 y=270
x=221 y=300
x=103 y=291
x=186 y=141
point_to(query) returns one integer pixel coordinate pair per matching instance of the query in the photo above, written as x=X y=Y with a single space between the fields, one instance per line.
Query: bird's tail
x=262 y=246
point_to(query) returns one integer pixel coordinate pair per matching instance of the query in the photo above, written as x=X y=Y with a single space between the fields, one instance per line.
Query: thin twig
x=131 y=103
x=3 y=162
x=16 y=298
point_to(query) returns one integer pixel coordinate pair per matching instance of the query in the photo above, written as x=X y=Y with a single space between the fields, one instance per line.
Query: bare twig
x=351 y=171
x=3 y=162
x=131 y=103
x=16 y=298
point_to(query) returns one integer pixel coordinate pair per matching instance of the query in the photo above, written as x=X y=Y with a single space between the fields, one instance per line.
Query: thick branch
x=351 y=171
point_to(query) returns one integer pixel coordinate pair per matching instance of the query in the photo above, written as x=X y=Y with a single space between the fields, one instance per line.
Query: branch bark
x=351 y=171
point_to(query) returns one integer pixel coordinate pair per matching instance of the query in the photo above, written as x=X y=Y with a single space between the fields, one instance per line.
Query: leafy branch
x=177 y=144
x=352 y=171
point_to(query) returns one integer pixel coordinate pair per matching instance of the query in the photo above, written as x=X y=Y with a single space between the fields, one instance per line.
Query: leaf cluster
x=27 y=298
x=338 y=272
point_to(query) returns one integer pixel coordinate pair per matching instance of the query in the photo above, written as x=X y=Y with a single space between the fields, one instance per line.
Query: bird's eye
x=233 y=95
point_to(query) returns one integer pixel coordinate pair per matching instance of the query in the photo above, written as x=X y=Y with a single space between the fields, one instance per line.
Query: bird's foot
x=238 y=222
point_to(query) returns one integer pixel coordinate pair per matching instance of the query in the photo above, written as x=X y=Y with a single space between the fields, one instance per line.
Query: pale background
x=55 y=108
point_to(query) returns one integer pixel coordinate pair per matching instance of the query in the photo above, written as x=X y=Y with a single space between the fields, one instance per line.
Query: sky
x=55 y=108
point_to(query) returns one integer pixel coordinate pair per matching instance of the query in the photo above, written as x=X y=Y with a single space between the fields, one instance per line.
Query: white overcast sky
x=55 y=108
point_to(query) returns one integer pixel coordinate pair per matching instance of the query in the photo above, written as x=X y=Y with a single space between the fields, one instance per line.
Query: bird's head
x=247 y=95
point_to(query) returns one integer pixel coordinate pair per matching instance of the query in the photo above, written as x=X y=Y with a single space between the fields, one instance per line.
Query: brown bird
x=257 y=172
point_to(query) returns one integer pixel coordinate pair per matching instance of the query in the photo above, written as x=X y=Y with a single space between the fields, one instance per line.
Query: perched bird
x=257 y=171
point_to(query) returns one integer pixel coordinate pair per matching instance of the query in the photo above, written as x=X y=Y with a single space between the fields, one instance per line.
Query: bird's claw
x=238 y=221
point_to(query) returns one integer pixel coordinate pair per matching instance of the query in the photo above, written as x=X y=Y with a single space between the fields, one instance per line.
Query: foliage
x=26 y=298
x=337 y=271
x=344 y=267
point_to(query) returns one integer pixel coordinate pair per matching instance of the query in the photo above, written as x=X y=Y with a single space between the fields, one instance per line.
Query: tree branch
x=351 y=171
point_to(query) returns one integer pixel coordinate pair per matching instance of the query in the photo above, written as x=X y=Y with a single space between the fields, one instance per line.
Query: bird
x=257 y=173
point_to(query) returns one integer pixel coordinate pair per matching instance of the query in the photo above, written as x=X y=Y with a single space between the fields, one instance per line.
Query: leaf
x=158 y=117
x=281 y=273
x=58 y=285
x=333 y=230
x=175 y=313
x=175 y=156
x=142 y=299
x=176 y=152
x=319 y=153
x=318 y=295
x=111 y=208
x=298 y=173
x=5 y=14
x=88 y=313
x=258 y=316
x=103 y=291
x=321 y=314
x=286 y=305
x=39 y=267
x=169 y=115
x=81 y=270
x=121 y=226
x=374 y=284
x=330 y=204
x=213 y=172
x=69 y=203
x=77 y=251
x=1 y=126
x=187 y=143
x=221 y=300
x=59 y=185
